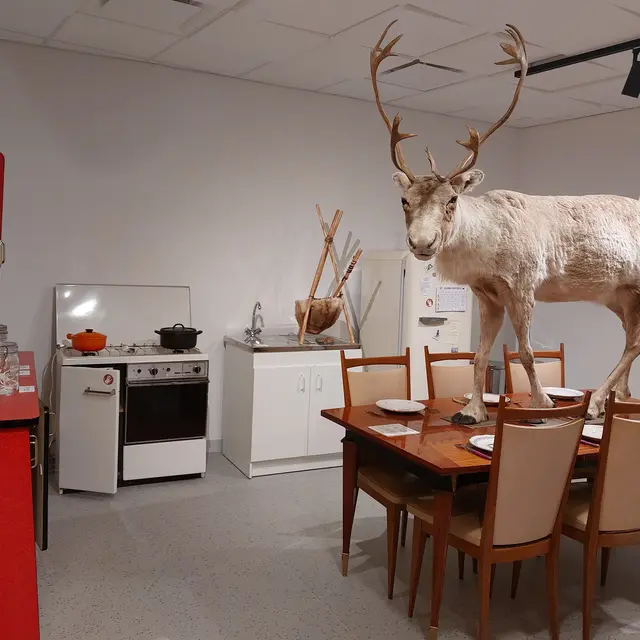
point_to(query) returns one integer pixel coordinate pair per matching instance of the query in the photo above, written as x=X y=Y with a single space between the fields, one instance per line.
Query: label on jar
x=30 y=389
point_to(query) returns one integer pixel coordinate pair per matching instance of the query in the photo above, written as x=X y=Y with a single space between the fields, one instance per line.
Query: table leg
x=349 y=496
x=441 y=522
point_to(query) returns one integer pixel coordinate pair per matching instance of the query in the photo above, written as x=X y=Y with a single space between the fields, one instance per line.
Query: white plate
x=592 y=431
x=400 y=406
x=563 y=394
x=488 y=398
x=483 y=443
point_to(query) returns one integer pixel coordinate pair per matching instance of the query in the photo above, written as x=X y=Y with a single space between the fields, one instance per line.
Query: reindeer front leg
x=520 y=311
x=491 y=318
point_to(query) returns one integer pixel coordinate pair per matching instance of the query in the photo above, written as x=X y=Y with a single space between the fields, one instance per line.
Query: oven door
x=158 y=412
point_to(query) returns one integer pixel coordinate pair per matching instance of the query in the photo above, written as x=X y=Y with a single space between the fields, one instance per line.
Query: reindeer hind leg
x=622 y=386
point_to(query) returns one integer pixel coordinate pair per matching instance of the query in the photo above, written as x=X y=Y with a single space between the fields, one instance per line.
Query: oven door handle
x=96 y=392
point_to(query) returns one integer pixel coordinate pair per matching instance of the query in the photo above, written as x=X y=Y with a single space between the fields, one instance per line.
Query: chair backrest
x=531 y=470
x=616 y=497
x=550 y=374
x=447 y=380
x=367 y=387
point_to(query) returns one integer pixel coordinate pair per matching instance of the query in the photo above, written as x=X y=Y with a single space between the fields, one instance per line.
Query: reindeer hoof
x=461 y=418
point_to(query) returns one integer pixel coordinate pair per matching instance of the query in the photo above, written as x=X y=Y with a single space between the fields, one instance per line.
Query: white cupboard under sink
x=271 y=407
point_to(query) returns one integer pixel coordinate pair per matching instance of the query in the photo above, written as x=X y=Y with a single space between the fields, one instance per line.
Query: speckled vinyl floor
x=226 y=557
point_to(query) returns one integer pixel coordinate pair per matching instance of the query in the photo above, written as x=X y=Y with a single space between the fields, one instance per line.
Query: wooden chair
x=527 y=491
x=449 y=381
x=551 y=374
x=606 y=514
x=390 y=487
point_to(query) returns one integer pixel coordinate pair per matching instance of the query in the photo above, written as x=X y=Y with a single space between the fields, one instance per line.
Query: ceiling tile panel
x=319 y=67
x=603 y=92
x=20 y=37
x=36 y=17
x=567 y=76
x=126 y=39
x=234 y=44
x=324 y=16
x=620 y=62
x=161 y=15
x=422 y=33
x=361 y=88
x=481 y=92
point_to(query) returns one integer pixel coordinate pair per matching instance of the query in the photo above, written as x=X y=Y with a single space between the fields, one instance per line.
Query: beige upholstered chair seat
x=468 y=507
x=395 y=486
x=577 y=510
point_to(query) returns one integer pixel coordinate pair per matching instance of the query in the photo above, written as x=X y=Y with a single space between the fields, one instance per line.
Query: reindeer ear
x=401 y=180
x=467 y=181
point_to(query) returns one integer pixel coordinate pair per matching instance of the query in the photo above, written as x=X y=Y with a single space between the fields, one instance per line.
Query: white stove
x=133 y=411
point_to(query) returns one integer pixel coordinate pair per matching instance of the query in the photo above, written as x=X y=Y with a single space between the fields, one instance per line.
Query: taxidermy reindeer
x=513 y=249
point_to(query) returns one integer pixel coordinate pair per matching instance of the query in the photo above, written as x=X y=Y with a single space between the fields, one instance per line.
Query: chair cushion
x=466 y=517
x=397 y=486
x=577 y=510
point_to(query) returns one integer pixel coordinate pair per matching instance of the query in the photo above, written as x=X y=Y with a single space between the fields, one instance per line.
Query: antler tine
x=377 y=56
x=434 y=168
x=517 y=55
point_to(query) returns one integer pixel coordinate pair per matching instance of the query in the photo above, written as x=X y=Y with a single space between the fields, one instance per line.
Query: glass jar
x=4 y=333
x=9 y=368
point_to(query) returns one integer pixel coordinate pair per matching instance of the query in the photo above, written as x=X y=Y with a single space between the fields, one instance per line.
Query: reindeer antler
x=379 y=54
x=517 y=55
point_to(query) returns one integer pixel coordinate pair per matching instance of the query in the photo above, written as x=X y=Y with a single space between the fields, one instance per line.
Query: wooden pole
x=347 y=273
x=316 y=279
x=334 y=262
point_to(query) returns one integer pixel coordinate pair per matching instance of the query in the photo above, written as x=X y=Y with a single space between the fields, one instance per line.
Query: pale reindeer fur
x=513 y=249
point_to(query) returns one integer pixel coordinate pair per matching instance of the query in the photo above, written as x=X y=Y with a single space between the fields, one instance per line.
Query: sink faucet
x=255 y=330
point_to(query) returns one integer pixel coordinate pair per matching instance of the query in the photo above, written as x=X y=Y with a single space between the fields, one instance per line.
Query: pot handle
x=156 y=331
x=69 y=336
x=198 y=333
x=179 y=324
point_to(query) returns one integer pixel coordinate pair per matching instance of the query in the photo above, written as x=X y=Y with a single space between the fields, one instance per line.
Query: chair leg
x=515 y=577
x=485 y=595
x=588 y=587
x=403 y=534
x=461 y=565
x=419 y=541
x=552 y=592
x=474 y=563
x=604 y=568
x=393 y=531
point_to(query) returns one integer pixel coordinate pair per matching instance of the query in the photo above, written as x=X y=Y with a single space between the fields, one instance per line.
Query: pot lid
x=178 y=328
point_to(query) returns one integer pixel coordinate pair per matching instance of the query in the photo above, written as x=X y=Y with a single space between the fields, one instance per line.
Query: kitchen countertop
x=274 y=343
x=22 y=408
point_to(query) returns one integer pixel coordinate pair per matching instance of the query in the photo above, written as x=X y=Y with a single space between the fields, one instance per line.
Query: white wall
x=591 y=155
x=127 y=173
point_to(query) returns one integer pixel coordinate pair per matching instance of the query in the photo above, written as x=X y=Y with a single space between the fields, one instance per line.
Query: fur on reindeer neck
x=469 y=247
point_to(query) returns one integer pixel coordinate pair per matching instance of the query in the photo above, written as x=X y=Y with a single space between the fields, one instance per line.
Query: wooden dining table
x=433 y=454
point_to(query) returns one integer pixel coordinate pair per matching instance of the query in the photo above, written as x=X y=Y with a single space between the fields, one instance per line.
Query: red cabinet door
x=18 y=586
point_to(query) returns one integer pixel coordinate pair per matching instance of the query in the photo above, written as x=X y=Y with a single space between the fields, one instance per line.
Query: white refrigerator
x=405 y=304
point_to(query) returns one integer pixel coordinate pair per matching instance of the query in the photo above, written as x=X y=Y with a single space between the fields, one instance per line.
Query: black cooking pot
x=178 y=337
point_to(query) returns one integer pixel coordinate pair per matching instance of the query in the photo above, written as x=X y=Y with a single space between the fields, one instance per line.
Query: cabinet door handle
x=33 y=442
x=318 y=382
x=303 y=383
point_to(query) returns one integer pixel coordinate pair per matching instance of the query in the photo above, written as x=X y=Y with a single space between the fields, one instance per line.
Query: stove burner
x=89 y=353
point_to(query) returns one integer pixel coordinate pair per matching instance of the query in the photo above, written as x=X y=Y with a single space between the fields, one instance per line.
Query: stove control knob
x=139 y=370
x=153 y=371
x=197 y=369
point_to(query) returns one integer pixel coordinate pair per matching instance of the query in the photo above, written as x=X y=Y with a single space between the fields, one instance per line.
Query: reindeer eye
x=404 y=202
x=453 y=200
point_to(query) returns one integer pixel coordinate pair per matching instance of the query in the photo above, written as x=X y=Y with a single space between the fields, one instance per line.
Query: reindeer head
x=430 y=202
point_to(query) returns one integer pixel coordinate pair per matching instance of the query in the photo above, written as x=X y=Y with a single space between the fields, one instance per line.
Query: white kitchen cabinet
x=271 y=407
x=88 y=429
x=280 y=409
x=326 y=393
